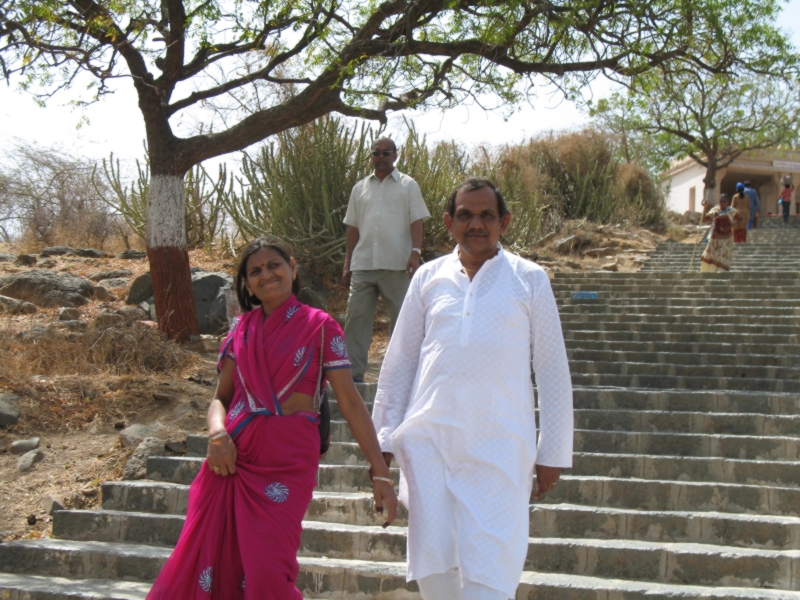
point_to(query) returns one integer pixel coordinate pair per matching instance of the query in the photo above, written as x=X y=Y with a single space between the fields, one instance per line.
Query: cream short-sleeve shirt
x=383 y=212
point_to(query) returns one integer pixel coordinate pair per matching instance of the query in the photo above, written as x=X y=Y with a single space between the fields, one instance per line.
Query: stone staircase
x=686 y=482
x=774 y=246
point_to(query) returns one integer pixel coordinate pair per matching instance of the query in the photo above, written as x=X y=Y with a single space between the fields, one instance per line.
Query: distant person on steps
x=755 y=205
x=785 y=199
x=719 y=251
x=384 y=235
x=741 y=204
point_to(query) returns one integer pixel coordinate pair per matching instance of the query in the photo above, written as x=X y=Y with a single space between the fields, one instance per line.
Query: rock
x=116 y=282
x=36 y=333
x=103 y=295
x=132 y=255
x=23 y=446
x=6 y=257
x=573 y=265
x=131 y=314
x=312 y=291
x=177 y=446
x=597 y=252
x=162 y=397
x=47 y=289
x=31 y=519
x=136 y=467
x=72 y=325
x=549 y=272
x=9 y=409
x=10 y=305
x=90 y=492
x=51 y=504
x=28 y=308
x=110 y=274
x=68 y=314
x=107 y=318
x=564 y=245
x=48 y=263
x=90 y=253
x=27 y=460
x=209 y=299
x=56 y=251
x=25 y=260
x=141 y=289
x=612 y=266
x=194 y=270
x=133 y=434
x=182 y=410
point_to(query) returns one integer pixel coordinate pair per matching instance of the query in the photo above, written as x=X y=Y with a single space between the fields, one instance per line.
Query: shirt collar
x=395 y=174
x=500 y=252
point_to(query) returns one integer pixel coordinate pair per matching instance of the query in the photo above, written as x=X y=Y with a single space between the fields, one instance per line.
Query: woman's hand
x=222 y=456
x=385 y=497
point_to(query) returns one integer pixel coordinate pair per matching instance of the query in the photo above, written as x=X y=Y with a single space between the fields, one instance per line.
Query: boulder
x=107 y=318
x=9 y=409
x=27 y=460
x=133 y=435
x=56 y=251
x=116 y=282
x=47 y=289
x=90 y=253
x=24 y=446
x=10 y=305
x=597 y=252
x=25 y=260
x=52 y=503
x=71 y=325
x=36 y=333
x=110 y=274
x=6 y=257
x=573 y=265
x=48 y=263
x=68 y=314
x=312 y=291
x=136 y=467
x=102 y=294
x=209 y=299
x=28 y=308
x=611 y=266
x=132 y=255
x=141 y=290
x=131 y=314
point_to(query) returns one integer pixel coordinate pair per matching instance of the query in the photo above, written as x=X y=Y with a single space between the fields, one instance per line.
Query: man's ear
x=504 y=221
x=448 y=222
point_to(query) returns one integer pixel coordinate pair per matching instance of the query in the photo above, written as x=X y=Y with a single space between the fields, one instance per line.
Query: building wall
x=680 y=189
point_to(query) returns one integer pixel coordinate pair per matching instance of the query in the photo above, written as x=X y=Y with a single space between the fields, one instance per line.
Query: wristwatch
x=417 y=250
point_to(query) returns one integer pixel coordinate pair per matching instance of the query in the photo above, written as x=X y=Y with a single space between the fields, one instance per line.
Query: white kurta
x=455 y=404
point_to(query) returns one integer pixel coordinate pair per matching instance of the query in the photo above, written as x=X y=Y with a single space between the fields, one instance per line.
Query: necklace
x=463 y=268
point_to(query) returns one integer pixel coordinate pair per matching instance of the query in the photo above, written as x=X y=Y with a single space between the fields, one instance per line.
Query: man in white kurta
x=455 y=405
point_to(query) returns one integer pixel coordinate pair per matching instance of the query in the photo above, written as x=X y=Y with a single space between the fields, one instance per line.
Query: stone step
x=631 y=318
x=547 y=520
x=703 y=351
x=657 y=337
x=776 y=333
x=580 y=353
x=712 y=401
x=699 y=564
x=14 y=586
x=670 y=309
x=685 y=382
x=751 y=372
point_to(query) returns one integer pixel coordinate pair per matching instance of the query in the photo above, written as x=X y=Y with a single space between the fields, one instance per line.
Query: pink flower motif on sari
x=338 y=347
x=277 y=492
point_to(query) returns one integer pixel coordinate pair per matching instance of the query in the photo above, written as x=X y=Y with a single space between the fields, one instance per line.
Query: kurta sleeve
x=351 y=216
x=334 y=353
x=553 y=381
x=399 y=368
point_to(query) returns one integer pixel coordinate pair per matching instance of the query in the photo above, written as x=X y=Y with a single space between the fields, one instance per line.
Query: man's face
x=383 y=163
x=476 y=223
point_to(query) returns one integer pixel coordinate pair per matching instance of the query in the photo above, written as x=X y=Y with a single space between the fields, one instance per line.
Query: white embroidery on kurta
x=236 y=410
x=298 y=356
x=206 y=579
x=338 y=347
x=291 y=312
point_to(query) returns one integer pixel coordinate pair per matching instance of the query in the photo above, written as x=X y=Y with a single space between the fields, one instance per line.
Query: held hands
x=546 y=479
x=221 y=456
x=384 y=491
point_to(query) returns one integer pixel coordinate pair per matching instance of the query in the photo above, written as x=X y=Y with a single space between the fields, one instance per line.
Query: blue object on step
x=584 y=295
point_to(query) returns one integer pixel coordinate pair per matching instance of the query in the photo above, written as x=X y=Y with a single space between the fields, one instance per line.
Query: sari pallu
x=719 y=251
x=243 y=531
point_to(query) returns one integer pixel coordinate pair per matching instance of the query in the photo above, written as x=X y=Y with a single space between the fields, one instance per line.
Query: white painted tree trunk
x=166 y=226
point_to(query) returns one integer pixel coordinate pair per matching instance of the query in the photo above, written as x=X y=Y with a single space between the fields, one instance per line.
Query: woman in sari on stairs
x=244 y=520
x=719 y=251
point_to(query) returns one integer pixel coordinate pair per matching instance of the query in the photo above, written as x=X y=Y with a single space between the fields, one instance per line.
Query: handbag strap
x=318 y=394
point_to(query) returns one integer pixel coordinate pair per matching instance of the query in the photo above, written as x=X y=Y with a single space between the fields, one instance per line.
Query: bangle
x=216 y=436
x=417 y=250
x=386 y=479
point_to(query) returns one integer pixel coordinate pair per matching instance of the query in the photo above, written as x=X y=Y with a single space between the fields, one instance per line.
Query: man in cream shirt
x=384 y=234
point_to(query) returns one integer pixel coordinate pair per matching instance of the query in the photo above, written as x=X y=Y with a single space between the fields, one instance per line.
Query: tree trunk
x=169 y=257
x=710 y=184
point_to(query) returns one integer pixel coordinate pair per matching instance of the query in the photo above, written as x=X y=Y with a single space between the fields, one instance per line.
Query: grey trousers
x=365 y=287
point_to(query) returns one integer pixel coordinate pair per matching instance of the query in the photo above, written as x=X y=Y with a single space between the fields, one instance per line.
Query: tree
x=302 y=59
x=712 y=118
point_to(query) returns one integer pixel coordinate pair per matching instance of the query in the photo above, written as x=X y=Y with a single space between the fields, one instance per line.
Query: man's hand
x=412 y=265
x=546 y=479
x=346 y=273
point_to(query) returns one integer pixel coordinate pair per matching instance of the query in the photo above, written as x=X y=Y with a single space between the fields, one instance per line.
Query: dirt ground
x=78 y=416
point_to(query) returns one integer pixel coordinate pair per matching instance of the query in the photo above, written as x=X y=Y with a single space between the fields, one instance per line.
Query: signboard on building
x=787 y=164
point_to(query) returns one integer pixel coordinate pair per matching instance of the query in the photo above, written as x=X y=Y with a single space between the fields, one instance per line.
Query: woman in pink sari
x=246 y=506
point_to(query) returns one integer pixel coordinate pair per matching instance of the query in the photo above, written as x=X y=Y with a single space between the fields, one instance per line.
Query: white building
x=763 y=170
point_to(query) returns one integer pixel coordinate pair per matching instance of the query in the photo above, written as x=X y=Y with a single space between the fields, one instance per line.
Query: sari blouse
x=288 y=351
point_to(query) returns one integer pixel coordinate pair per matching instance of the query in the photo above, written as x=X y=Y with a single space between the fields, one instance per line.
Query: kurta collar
x=495 y=259
x=395 y=174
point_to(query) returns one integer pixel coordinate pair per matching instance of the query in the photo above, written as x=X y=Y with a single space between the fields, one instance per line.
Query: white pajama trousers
x=450 y=586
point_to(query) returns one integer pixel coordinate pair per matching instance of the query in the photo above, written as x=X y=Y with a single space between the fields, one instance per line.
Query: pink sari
x=242 y=532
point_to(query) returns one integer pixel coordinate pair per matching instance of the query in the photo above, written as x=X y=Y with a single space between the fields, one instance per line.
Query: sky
x=115 y=126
